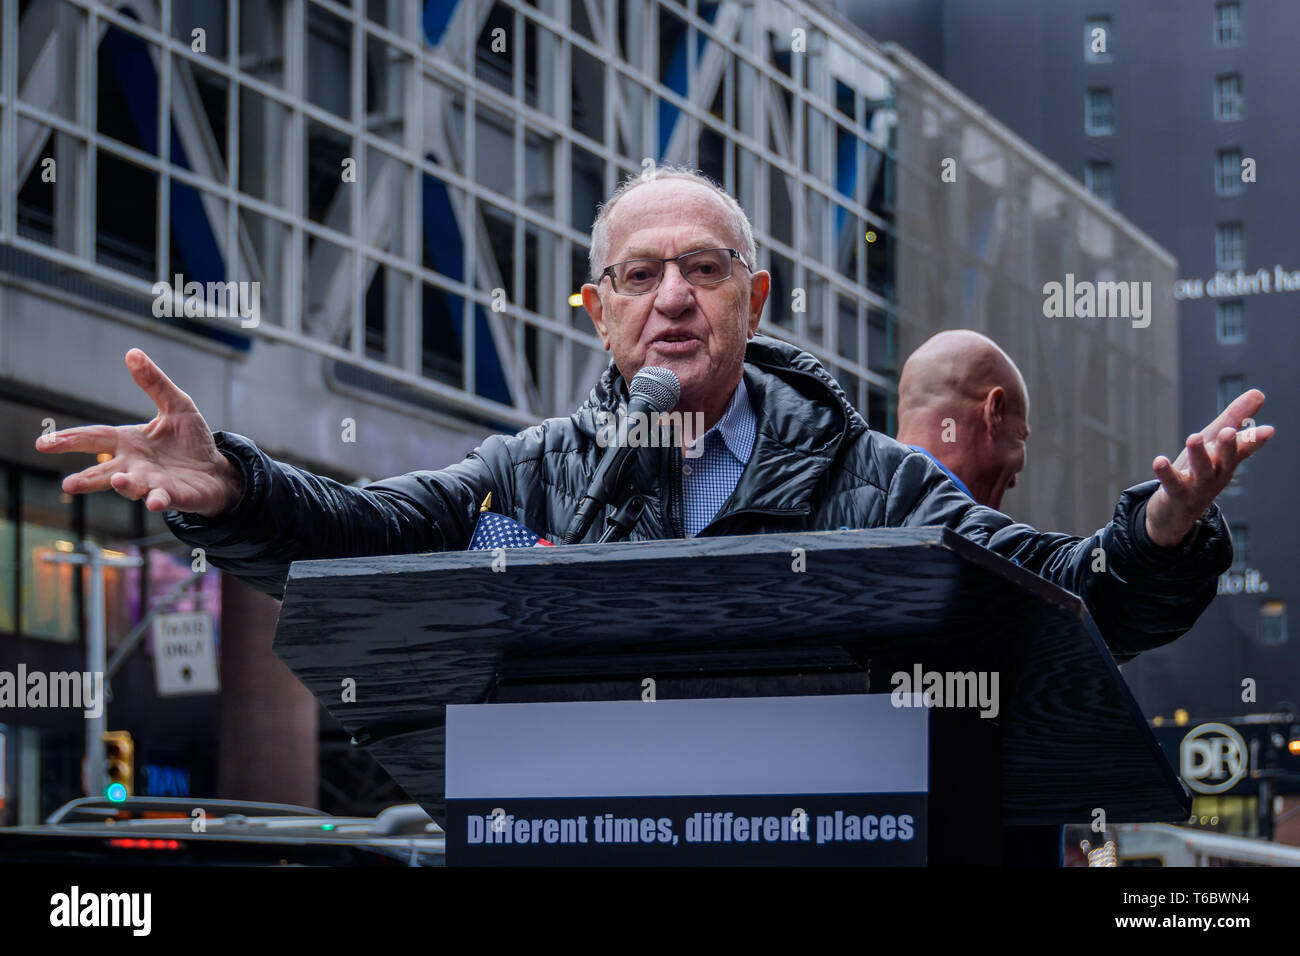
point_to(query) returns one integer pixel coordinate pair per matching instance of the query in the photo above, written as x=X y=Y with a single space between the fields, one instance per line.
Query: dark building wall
x=1024 y=62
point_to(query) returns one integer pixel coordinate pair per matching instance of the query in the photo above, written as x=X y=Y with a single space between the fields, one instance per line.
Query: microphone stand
x=623 y=520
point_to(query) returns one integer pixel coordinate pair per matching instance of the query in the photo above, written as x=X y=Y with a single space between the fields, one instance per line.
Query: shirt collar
x=738 y=424
x=955 y=480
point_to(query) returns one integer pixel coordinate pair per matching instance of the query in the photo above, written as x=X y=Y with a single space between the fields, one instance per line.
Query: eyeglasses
x=639 y=276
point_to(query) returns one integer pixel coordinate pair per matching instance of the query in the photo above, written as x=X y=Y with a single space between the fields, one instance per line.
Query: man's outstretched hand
x=1191 y=483
x=171 y=462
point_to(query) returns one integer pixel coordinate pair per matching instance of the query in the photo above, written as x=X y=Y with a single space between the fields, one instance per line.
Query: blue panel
x=437 y=15
x=675 y=80
x=441 y=233
x=489 y=378
x=130 y=60
x=446 y=247
x=193 y=234
x=846 y=162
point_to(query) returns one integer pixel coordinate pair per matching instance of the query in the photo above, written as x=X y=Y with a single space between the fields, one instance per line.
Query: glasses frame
x=609 y=270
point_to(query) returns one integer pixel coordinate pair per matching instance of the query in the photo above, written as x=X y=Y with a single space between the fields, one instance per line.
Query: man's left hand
x=1190 y=484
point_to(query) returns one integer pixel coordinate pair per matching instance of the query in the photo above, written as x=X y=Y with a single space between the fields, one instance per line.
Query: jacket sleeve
x=288 y=514
x=1141 y=596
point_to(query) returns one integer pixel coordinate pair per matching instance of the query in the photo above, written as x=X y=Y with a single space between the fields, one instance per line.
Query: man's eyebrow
x=645 y=252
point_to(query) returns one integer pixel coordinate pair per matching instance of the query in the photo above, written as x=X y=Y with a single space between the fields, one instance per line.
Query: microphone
x=653 y=390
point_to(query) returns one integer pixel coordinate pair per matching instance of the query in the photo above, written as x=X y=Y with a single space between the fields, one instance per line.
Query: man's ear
x=995 y=410
x=760 y=286
x=591 y=302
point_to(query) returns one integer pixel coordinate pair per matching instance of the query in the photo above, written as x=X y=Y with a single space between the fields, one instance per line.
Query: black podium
x=727 y=700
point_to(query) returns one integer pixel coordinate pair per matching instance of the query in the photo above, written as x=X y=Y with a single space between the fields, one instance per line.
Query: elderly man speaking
x=674 y=284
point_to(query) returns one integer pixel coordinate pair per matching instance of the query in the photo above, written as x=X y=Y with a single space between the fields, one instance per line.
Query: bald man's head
x=961 y=398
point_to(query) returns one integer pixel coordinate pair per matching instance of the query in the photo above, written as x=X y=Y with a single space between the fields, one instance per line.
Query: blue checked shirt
x=709 y=478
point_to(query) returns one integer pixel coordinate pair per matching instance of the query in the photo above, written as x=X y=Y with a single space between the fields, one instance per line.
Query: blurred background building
x=411 y=185
x=1180 y=115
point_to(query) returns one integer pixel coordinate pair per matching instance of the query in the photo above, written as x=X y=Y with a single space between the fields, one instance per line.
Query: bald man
x=963 y=402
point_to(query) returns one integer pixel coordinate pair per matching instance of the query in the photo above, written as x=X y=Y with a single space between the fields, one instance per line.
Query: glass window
x=442 y=354
x=1271 y=626
x=1227 y=24
x=264 y=250
x=262 y=127
x=494 y=61
x=541 y=53
x=261 y=39
x=588 y=187
x=47 y=198
x=1230 y=319
x=1240 y=545
x=1099 y=181
x=1099 y=112
x=388 y=70
x=329 y=63
x=201 y=26
x=49 y=591
x=1227 y=172
x=494 y=151
x=127 y=90
x=1228 y=242
x=126 y=213
x=587 y=107
x=1228 y=97
x=1096 y=40
x=327 y=201
x=49 y=64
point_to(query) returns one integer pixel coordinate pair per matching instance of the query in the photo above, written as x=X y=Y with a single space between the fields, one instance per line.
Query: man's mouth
x=675 y=343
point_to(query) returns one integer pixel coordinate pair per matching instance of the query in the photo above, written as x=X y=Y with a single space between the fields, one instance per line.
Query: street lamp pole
x=95 y=560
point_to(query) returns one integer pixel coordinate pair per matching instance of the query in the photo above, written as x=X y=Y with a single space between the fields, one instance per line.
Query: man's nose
x=674 y=292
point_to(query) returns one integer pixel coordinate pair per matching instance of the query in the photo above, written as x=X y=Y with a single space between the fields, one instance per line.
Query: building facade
x=1179 y=116
x=352 y=233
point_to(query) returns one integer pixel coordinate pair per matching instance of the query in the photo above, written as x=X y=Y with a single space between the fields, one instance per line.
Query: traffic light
x=119 y=764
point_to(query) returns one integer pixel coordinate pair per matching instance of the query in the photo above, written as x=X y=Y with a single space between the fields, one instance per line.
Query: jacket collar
x=804 y=418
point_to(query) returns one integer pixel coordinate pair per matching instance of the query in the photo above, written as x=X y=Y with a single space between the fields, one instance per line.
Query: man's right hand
x=172 y=462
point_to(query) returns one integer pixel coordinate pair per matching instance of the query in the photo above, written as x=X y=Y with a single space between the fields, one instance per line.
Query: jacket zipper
x=675 y=492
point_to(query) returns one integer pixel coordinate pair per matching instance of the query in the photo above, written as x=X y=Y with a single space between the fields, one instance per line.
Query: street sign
x=184 y=654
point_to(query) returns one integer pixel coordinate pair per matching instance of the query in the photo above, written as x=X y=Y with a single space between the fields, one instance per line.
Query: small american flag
x=493 y=531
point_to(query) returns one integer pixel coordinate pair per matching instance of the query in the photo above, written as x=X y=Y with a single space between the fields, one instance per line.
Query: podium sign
x=833 y=780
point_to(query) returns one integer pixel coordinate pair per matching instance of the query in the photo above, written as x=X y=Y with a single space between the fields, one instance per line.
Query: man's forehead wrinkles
x=642 y=250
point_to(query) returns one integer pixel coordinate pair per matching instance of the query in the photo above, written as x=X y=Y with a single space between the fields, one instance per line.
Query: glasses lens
x=706 y=267
x=638 y=275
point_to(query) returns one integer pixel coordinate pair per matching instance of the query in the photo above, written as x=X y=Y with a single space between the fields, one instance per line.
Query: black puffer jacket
x=815 y=466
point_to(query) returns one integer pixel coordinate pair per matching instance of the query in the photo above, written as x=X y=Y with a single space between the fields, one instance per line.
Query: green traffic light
x=327 y=826
x=115 y=792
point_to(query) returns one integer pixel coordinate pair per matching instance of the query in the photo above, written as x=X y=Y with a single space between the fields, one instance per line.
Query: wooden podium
x=574 y=633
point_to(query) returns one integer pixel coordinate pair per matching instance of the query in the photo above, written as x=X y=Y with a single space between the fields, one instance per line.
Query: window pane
x=126 y=211
x=49 y=607
x=127 y=107
x=261 y=39
x=327 y=202
x=1231 y=321
x=262 y=126
x=329 y=61
x=207 y=16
